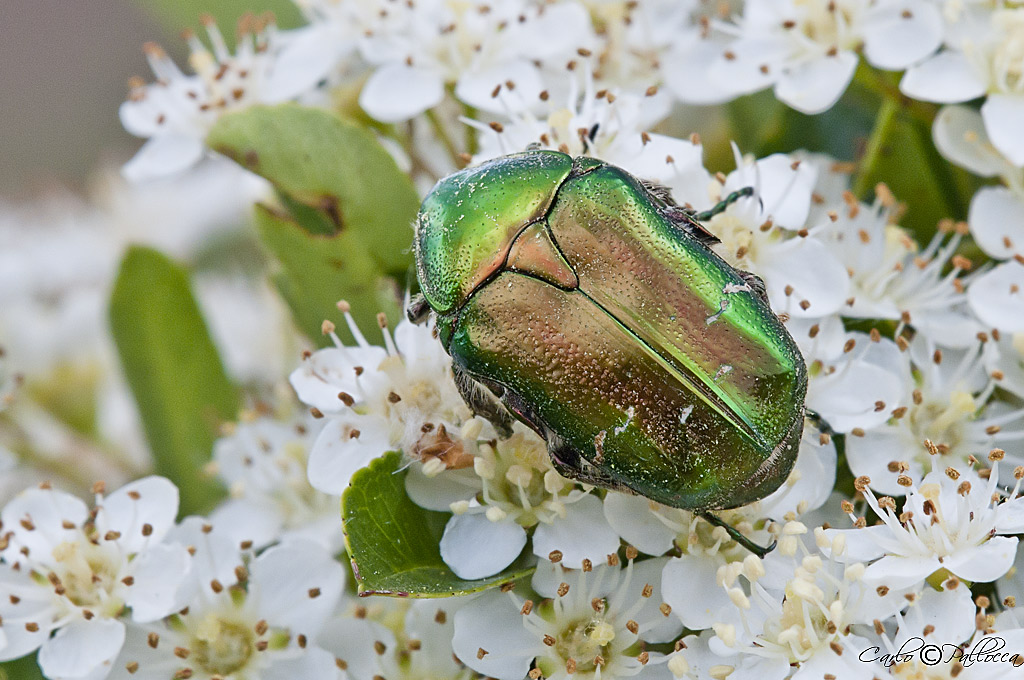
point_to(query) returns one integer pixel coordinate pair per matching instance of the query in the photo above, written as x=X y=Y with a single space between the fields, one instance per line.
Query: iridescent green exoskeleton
x=587 y=304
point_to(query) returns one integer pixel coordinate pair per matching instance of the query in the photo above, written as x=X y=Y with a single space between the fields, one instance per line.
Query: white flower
x=950 y=526
x=605 y=124
x=378 y=399
x=514 y=487
x=262 y=461
x=807 y=51
x=996 y=216
x=175 y=113
x=892 y=277
x=997 y=297
x=70 y=572
x=852 y=381
x=941 y=419
x=418 y=644
x=799 y=607
x=265 y=625
x=767 y=234
x=488 y=52
x=1004 y=358
x=983 y=56
x=589 y=629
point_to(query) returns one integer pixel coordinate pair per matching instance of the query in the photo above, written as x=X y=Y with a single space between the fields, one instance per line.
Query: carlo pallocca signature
x=989 y=649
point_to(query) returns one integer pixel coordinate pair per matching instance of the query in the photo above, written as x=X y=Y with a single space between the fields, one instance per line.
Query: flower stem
x=442 y=134
x=873 y=154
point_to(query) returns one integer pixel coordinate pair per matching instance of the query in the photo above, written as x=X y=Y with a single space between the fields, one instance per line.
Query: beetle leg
x=819 y=423
x=720 y=207
x=483 y=402
x=735 y=535
x=571 y=465
x=756 y=285
x=418 y=309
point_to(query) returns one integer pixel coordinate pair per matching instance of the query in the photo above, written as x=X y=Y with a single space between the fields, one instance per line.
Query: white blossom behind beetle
x=175 y=113
x=807 y=51
x=67 y=574
x=491 y=55
x=982 y=57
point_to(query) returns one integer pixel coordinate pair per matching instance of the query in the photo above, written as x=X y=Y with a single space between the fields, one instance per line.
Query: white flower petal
x=997 y=297
x=689 y=587
x=997 y=217
x=46 y=510
x=862 y=545
x=810 y=272
x=308 y=56
x=687 y=71
x=651 y=573
x=157 y=572
x=584 y=533
x=351 y=640
x=1003 y=115
x=985 y=562
x=475 y=87
x=249 y=521
x=336 y=456
x=946 y=78
x=816 y=85
x=475 y=547
x=80 y=647
x=959 y=134
x=898 y=572
x=634 y=520
x=902 y=33
x=492 y=624
x=163 y=156
x=313 y=664
x=846 y=399
x=151 y=502
x=438 y=493
x=330 y=371
x=285 y=579
x=397 y=92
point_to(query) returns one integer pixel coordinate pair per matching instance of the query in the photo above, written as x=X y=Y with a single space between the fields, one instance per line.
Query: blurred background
x=64 y=70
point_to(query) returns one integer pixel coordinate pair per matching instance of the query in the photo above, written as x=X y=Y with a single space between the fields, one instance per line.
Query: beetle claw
x=735 y=535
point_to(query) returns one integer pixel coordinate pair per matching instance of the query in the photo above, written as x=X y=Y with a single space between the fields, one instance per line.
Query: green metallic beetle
x=586 y=303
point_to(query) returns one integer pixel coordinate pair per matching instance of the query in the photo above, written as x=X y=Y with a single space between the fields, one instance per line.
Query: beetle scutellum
x=584 y=302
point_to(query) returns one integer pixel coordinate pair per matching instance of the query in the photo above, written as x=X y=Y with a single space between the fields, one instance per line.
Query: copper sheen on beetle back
x=588 y=305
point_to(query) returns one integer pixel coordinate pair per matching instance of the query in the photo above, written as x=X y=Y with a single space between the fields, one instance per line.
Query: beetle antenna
x=735 y=535
x=721 y=206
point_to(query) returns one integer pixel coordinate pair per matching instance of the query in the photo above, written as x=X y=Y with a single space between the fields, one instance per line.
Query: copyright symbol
x=930 y=654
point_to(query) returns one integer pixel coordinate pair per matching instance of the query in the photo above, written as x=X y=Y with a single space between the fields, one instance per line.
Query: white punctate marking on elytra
x=731 y=288
x=629 y=418
x=684 y=414
x=722 y=305
x=723 y=370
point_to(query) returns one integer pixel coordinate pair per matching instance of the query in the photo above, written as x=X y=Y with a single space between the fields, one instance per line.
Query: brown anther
x=555 y=556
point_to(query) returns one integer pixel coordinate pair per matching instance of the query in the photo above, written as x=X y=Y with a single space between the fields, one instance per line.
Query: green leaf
x=24 y=668
x=315 y=271
x=393 y=542
x=331 y=165
x=346 y=225
x=174 y=372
